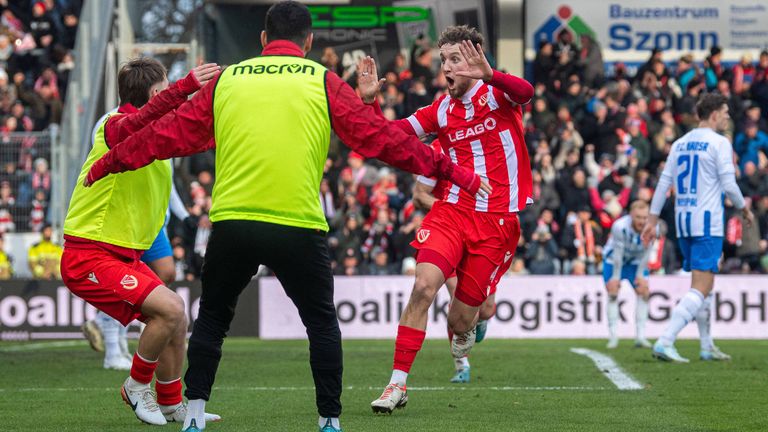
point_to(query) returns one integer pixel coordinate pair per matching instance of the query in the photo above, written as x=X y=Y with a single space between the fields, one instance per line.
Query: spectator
x=181 y=264
x=44 y=258
x=750 y=143
x=591 y=62
x=380 y=265
x=542 y=252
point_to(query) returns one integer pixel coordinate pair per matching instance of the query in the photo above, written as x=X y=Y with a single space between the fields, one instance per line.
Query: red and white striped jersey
x=440 y=188
x=482 y=131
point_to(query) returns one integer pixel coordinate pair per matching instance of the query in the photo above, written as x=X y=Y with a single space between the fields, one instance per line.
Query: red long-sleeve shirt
x=189 y=130
x=132 y=120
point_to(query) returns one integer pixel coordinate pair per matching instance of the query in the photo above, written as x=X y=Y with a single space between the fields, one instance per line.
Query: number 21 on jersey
x=691 y=170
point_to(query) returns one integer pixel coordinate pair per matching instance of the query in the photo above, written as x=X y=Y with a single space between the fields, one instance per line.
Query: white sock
x=461 y=363
x=109 y=329
x=134 y=385
x=682 y=314
x=641 y=316
x=612 y=311
x=399 y=377
x=196 y=411
x=704 y=321
x=122 y=340
x=334 y=421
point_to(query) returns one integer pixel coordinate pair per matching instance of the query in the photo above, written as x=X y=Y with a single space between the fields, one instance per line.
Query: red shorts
x=114 y=284
x=478 y=246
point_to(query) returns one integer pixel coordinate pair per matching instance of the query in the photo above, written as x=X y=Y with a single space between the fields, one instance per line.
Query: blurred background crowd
x=597 y=142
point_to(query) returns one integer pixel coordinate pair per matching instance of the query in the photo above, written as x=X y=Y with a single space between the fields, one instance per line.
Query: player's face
x=722 y=118
x=639 y=218
x=452 y=61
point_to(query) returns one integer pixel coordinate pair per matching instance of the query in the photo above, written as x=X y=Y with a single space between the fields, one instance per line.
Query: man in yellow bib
x=271 y=117
x=108 y=228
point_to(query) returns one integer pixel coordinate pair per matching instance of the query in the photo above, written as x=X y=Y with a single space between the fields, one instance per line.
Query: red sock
x=142 y=370
x=168 y=393
x=408 y=343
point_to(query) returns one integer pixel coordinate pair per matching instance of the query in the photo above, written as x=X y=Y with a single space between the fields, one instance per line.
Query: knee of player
x=173 y=311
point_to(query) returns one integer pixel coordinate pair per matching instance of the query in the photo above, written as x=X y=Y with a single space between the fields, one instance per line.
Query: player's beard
x=460 y=86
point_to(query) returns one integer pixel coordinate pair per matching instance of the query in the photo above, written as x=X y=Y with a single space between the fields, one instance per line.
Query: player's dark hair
x=708 y=104
x=136 y=78
x=456 y=34
x=288 y=20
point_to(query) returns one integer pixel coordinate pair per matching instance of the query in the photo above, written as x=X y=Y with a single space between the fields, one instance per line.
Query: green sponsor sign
x=365 y=16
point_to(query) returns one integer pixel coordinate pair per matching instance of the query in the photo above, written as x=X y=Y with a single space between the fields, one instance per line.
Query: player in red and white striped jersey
x=479 y=124
x=426 y=192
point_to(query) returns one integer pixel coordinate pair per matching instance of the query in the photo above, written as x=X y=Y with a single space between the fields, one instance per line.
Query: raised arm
x=183 y=132
x=121 y=127
x=374 y=137
x=517 y=89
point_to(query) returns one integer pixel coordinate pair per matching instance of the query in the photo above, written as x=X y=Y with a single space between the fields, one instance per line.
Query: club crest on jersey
x=422 y=235
x=488 y=125
x=129 y=282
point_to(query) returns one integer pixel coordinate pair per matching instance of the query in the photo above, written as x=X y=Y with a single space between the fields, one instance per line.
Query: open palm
x=368 y=82
x=479 y=68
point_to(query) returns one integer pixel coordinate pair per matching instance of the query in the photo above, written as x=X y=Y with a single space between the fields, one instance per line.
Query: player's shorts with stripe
x=160 y=248
x=114 y=284
x=628 y=272
x=701 y=253
x=478 y=246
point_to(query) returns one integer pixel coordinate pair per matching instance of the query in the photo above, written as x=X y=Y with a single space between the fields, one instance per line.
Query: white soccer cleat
x=613 y=343
x=178 y=413
x=92 y=333
x=393 y=397
x=667 y=353
x=714 y=354
x=117 y=362
x=643 y=343
x=144 y=404
x=461 y=344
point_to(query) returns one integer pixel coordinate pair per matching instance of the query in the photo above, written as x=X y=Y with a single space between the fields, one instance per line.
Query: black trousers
x=301 y=261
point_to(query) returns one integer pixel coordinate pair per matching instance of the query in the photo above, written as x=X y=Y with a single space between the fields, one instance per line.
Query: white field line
x=611 y=369
x=302 y=389
x=42 y=345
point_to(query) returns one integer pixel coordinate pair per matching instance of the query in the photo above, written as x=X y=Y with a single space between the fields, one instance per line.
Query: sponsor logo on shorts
x=507 y=256
x=92 y=278
x=129 y=282
x=422 y=235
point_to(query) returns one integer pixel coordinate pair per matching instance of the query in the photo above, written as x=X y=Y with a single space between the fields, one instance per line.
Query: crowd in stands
x=597 y=142
x=36 y=42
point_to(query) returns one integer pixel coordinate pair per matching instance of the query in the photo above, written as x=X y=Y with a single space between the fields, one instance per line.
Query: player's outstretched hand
x=205 y=72
x=368 y=81
x=479 y=68
x=649 y=233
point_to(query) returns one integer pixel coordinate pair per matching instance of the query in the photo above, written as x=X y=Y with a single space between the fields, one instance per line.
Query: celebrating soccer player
x=626 y=258
x=700 y=166
x=426 y=192
x=479 y=124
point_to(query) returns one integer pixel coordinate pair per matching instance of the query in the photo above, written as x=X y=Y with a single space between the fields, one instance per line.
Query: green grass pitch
x=517 y=385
